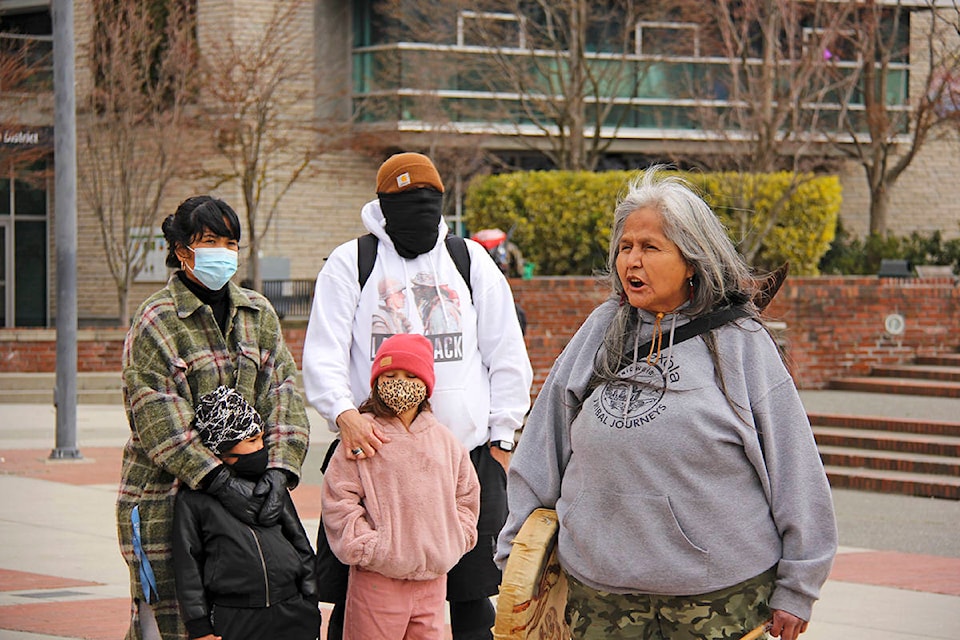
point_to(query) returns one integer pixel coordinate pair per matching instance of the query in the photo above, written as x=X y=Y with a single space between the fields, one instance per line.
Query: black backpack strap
x=457 y=248
x=366 y=256
x=702 y=324
x=690 y=330
x=329 y=454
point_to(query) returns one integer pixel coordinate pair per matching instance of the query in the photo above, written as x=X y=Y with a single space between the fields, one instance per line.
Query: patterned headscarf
x=224 y=418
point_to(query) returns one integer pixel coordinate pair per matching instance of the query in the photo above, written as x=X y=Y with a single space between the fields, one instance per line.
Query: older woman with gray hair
x=671 y=440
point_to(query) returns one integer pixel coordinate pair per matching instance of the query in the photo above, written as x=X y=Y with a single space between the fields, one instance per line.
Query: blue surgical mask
x=214 y=266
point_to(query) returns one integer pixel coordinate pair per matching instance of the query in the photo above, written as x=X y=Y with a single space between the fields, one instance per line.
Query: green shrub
x=850 y=255
x=805 y=209
x=561 y=219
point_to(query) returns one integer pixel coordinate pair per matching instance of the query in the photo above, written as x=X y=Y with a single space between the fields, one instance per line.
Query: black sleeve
x=188 y=559
x=293 y=531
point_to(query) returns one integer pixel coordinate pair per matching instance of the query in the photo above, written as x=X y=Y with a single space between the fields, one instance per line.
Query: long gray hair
x=721 y=276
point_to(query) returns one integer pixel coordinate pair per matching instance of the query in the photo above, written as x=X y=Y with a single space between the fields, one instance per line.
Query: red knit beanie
x=407 y=171
x=408 y=351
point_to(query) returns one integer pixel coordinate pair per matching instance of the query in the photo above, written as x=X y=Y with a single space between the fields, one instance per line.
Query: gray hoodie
x=665 y=488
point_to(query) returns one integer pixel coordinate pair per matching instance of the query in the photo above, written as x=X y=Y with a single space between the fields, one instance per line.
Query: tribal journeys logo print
x=636 y=402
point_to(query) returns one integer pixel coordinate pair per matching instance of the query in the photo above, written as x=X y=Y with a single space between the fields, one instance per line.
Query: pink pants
x=382 y=608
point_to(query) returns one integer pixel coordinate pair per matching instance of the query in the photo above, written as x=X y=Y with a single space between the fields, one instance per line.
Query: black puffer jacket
x=219 y=560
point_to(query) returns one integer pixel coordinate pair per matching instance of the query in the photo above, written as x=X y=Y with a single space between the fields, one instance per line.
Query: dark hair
x=194 y=216
x=375 y=405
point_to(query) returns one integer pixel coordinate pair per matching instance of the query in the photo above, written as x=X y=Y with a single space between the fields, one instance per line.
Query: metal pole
x=65 y=210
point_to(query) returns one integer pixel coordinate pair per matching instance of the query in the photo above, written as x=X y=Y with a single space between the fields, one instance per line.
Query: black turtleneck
x=219 y=301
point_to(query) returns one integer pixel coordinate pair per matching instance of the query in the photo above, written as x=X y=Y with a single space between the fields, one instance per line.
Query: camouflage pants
x=726 y=614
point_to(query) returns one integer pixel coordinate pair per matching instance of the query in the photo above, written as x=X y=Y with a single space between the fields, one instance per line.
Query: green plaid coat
x=173 y=354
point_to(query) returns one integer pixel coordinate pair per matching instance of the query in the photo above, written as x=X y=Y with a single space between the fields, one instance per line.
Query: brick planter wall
x=555 y=309
x=35 y=350
x=834 y=326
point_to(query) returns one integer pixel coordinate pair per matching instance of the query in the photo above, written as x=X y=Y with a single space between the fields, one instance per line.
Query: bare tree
x=886 y=138
x=762 y=100
x=558 y=86
x=132 y=126
x=259 y=99
x=21 y=67
x=554 y=75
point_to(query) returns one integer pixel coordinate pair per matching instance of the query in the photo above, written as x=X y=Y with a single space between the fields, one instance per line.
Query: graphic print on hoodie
x=438 y=309
x=624 y=405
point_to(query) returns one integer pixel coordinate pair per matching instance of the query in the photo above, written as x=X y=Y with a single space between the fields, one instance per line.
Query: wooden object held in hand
x=533 y=592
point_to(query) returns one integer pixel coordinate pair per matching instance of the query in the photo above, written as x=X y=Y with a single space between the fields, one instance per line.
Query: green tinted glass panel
x=389 y=81
x=4 y=197
x=3 y=277
x=30 y=199
x=31 y=274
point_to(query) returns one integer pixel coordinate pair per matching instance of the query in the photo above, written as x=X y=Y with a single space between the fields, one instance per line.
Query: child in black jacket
x=233 y=580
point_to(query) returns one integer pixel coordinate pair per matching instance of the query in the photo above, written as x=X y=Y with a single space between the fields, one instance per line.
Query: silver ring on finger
x=357 y=452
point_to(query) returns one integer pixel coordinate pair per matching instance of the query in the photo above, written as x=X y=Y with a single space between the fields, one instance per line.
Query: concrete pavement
x=61 y=575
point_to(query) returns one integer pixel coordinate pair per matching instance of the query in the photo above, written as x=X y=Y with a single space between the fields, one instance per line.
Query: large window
x=26 y=46
x=23 y=248
x=132 y=42
x=483 y=69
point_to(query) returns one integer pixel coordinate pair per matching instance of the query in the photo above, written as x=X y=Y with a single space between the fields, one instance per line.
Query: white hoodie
x=483 y=375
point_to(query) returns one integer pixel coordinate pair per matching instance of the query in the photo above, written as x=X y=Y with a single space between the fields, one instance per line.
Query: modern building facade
x=393 y=86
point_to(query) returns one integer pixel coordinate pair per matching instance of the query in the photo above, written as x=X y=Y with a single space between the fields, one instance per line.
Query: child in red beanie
x=404 y=518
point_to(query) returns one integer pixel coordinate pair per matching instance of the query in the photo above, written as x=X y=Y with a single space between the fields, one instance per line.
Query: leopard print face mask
x=401 y=394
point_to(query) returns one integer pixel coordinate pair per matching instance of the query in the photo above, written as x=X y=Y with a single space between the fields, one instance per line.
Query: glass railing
x=421 y=83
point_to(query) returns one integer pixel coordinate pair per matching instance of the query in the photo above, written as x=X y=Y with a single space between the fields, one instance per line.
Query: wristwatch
x=503 y=445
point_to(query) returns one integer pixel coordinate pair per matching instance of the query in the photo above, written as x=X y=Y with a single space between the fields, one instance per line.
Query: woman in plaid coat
x=196 y=334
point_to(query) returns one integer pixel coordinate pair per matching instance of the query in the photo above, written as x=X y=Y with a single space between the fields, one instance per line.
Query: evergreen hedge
x=561 y=219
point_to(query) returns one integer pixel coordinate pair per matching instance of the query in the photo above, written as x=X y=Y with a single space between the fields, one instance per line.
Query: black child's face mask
x=251 y=465
x=413 y=220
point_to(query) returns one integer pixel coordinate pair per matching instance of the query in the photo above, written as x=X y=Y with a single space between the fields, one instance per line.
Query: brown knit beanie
x=406 y=171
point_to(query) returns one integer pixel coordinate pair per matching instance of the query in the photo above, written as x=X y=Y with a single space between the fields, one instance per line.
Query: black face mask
x=413 y=220
x=251 y=465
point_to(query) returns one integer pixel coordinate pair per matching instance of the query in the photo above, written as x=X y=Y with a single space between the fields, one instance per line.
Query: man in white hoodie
x=483 y=374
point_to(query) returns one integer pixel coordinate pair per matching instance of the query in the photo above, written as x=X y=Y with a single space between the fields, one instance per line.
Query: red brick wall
x=555 y=308
x=835 y=326
x=35 y=350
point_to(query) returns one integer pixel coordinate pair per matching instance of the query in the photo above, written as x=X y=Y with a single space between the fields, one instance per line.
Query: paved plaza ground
x=61 y=575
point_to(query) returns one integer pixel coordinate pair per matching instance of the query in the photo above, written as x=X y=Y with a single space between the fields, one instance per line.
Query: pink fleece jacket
x=410 y=512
